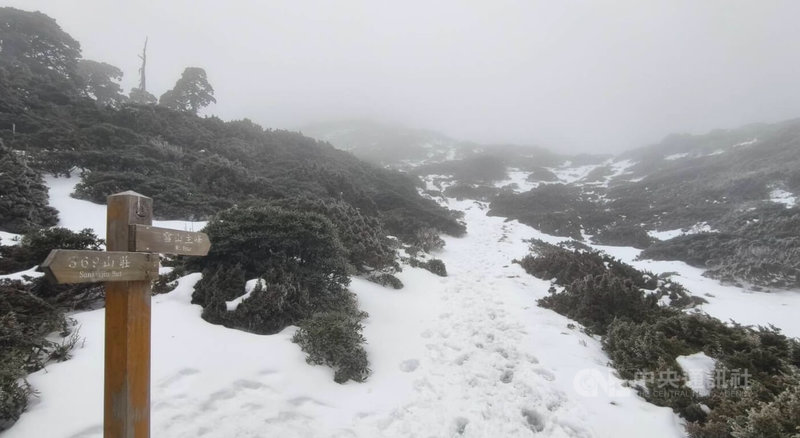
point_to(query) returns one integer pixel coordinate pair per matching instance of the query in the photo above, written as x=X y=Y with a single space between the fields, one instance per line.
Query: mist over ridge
x=574 y=77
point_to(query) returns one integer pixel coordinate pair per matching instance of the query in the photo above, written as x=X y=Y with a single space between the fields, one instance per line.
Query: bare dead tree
x=142 y=77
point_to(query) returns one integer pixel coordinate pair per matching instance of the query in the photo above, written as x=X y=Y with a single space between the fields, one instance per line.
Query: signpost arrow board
x=74 y=266
x=127 y=270
x=167 y=241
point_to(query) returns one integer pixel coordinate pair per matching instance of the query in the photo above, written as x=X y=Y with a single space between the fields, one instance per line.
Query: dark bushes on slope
x=302 y=270
x=597 y=301
x=434 y=266
x=300 y=251
x=642 y=337
x=334 y=338
x=477 y=168
x=759 y=246
x=363 y=237
x=23 y=195
x=623 y=235
x=34 y=247
x=25 y=322
x=556 y=209
x=565 y=266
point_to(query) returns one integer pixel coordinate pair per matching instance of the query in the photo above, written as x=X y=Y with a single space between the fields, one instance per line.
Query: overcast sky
x=570 y=75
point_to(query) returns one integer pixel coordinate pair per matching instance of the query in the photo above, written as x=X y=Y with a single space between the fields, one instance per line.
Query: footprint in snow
x=178 y=376
x=460 y=425
x=408 y=366
x=461 y=359
x=533 y=419
x=547 y=375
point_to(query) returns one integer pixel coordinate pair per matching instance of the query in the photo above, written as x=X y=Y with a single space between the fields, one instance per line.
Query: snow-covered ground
x=699 y=370
x=674 y=157
x=518 y=178
x=726 y=302
x=469 y=355
x=7 y=238
x=567 y=173
x=783 y=197
x=466 y=355
x=77 y=214
x=702 y=227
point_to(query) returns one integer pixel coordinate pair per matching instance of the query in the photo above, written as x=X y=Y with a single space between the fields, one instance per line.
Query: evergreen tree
x=101 y=82
x=191 y=93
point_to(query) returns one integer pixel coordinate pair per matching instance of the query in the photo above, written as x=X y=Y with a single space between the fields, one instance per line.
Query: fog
x=570 y=75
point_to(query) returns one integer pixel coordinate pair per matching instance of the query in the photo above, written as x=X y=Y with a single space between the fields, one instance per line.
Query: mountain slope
x=737 y=186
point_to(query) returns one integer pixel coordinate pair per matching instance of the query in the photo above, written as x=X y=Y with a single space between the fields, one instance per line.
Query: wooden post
x=128 y=266
x=127 y=340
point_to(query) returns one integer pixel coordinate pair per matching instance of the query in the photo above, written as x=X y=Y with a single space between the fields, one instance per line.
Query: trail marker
x=127 y=268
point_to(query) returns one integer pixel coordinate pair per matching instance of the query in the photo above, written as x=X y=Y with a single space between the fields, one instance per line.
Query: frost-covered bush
x=558 y=263
x=427 y=239
x=597 y=301
x=434 y=266
x=34 y=247
x=642 y=337
x=385 y=279
x=298 y=256
x=335 y=339
x=363 y=237
x=557 y=209
x=759 y=246
x=23 y=195
x=218 y=285
x=623 y=235
x=25 y=322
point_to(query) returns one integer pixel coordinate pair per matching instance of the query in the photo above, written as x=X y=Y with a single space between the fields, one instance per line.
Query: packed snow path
x=467 y=355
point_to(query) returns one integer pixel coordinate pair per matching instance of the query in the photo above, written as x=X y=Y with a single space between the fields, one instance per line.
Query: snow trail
x=468 y=355
x=498 y=365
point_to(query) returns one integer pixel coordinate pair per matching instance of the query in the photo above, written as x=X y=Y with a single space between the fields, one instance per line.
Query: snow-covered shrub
x=385 y=279
x=759 y=246
x=557 y=209
x=23 y=195
x=14 y=396
x=642 y=337
x=623 y=235
x=219 y=284
x=427 y=239
x=36 y=245
x=637 y=346
x=25 y=322
x=363 y=237
x=755 y=413
x=166 y=282
x=434 y=266
x=597 y=301
x=564 y=266
x=335 y=339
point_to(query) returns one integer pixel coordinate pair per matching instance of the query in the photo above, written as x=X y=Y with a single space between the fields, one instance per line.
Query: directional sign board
x=75 y=266
x=167 y=241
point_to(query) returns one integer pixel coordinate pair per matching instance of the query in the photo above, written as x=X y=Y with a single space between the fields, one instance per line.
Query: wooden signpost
x=128 y=268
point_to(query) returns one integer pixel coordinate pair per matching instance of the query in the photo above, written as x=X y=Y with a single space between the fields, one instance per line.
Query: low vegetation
x=23 y=195
x=288 y=210
x=31 y=310
x=34 y=247
x=334 y=338
x=644 y=338
x=755 y=247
